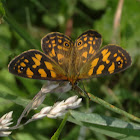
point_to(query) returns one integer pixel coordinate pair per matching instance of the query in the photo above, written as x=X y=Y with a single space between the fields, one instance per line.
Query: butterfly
x=65 y=60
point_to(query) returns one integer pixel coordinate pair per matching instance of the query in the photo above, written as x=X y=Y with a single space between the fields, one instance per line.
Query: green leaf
x=14 y=99
x=105 y=25
x=109 y=126
x=130 y=24
x=95 y=4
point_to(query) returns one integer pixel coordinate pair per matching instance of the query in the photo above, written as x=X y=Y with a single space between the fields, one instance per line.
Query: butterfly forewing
x=36 y=65
x=86 y=45
x=58 y=47
x=109 y=60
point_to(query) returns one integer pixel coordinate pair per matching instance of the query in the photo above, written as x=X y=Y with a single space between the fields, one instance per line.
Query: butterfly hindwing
x=109 y=60
x=36 y=65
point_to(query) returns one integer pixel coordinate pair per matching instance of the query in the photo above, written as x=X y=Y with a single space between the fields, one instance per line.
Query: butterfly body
x=68 y=61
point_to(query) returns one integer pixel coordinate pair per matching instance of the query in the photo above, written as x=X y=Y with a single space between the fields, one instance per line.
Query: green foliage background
x=26 y=22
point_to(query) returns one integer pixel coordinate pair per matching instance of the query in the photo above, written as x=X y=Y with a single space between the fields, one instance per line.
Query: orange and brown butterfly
x=66 y=60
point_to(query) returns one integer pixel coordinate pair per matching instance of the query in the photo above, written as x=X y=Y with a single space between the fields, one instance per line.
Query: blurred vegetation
x=26 y=22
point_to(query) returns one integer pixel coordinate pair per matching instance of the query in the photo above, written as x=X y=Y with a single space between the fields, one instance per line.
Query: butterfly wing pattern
x=53 y=65
x=36 y=65
x=86 y=45
x=58 y=47
x=109 y=60
x=64 y=60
